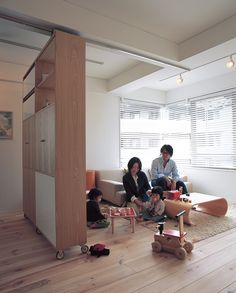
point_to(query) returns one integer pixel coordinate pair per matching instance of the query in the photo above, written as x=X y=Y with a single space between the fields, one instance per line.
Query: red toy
x=172 y=194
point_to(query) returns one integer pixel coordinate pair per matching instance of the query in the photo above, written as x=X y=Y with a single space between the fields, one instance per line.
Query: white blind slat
x=144 y=128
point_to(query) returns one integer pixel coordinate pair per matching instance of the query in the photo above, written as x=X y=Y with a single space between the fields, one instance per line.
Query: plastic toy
x=172 y=241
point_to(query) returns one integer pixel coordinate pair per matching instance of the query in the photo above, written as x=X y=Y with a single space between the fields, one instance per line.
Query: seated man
x=164 y=172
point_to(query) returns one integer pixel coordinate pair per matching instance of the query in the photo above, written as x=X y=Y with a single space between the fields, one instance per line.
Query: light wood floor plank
x=28 y=264
x=229 y=289
x=213 y=281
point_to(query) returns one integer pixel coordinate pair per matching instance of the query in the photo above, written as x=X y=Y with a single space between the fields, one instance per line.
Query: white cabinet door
x=45 y=140
x=45 y=206
x=50 y=140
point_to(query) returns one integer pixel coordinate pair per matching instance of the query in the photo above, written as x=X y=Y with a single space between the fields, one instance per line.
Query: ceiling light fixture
x=230 y=63
x=179 y=79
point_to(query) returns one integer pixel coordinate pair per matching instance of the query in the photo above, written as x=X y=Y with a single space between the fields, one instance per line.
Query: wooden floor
x=28 y=264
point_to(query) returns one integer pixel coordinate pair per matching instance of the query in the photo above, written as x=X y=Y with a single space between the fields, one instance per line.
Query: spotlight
x=230 y=63
x=179 y=79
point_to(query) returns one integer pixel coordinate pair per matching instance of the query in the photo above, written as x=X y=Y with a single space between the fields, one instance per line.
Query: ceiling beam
x=131 y=75
x=210 y=38
x=20 y=45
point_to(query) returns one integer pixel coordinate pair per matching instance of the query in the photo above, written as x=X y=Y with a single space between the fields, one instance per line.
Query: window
x=139 y=131
x=145 y=127
x=213 y=123
x=177 y=131
x=202 y=132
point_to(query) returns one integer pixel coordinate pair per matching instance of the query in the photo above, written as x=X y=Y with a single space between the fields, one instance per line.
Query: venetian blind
x=145 y=127
x=213 y=123
x=178 y=131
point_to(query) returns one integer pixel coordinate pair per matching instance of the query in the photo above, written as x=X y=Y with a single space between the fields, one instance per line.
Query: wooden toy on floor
x=172 y=241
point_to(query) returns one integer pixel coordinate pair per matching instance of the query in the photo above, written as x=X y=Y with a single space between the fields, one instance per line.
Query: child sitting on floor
x=153 y=210
x=95 y=219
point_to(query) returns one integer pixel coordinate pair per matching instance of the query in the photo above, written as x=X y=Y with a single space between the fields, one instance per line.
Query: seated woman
x=95 y=219
x=136 y=185
x=164 y=171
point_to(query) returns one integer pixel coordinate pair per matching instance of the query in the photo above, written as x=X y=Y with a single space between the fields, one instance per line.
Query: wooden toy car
x=172 y=241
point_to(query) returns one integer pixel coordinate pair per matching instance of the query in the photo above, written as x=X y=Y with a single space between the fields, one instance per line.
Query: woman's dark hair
x=94 y=193
x=158 y=190
x=167 y=148
x=132 y=161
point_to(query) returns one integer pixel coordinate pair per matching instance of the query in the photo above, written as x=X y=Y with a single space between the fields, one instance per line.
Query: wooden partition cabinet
x=59 y=137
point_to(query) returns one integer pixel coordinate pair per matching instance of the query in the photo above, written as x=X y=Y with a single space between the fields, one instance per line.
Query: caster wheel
x=180 y=253
x=38 y=231
x=26 y=217
x=84 y=249
x=60 y=254
x=188 y=246
x=156 y=246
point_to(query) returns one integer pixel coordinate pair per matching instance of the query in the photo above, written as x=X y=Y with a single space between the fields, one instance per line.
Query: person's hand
x=149 y=192
x=173 y=185
x=138 y=202
x=168 y=181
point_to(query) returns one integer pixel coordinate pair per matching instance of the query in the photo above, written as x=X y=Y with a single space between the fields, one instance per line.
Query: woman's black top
x=93 y=211
x=131 y=188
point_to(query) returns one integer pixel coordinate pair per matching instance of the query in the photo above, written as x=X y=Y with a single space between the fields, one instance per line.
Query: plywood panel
x=49 y=145
x=39 y=124
x=70 y=140
x=31 y=129
x=45 y=140
x=26 y=143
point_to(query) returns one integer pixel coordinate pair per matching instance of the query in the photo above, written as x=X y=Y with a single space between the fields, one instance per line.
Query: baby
x=153 y=210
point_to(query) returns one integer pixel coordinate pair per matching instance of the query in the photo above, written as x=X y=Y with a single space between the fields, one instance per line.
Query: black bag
x=98 y=250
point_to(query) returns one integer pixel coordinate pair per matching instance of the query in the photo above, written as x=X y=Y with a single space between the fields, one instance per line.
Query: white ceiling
x=175 y=20
x=112 y=63
x=107 y=64
x=21 y=34
x=100 y=63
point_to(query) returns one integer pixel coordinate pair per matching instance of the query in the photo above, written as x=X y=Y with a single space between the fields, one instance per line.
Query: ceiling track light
x=179 y=79
x=230 y=63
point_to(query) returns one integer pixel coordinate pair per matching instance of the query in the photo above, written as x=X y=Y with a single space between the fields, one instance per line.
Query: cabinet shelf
x=48 y=82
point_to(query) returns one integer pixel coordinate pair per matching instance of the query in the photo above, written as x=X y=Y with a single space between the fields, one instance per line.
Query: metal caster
x=26 y=217
x=38 y=231
x=84 y=249
x=60 y=254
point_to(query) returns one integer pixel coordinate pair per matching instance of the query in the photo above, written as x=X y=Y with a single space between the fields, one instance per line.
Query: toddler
x=153 y=210
x=95 y=219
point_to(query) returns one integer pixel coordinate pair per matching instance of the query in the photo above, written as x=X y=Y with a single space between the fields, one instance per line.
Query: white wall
x=103 y=122
x=209 y=181
x=11 y=150
x=213 y=181
x=149 y=95
x=102 y=126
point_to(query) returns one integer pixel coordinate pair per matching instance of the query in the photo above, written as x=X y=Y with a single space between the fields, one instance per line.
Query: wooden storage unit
x=59 y=170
